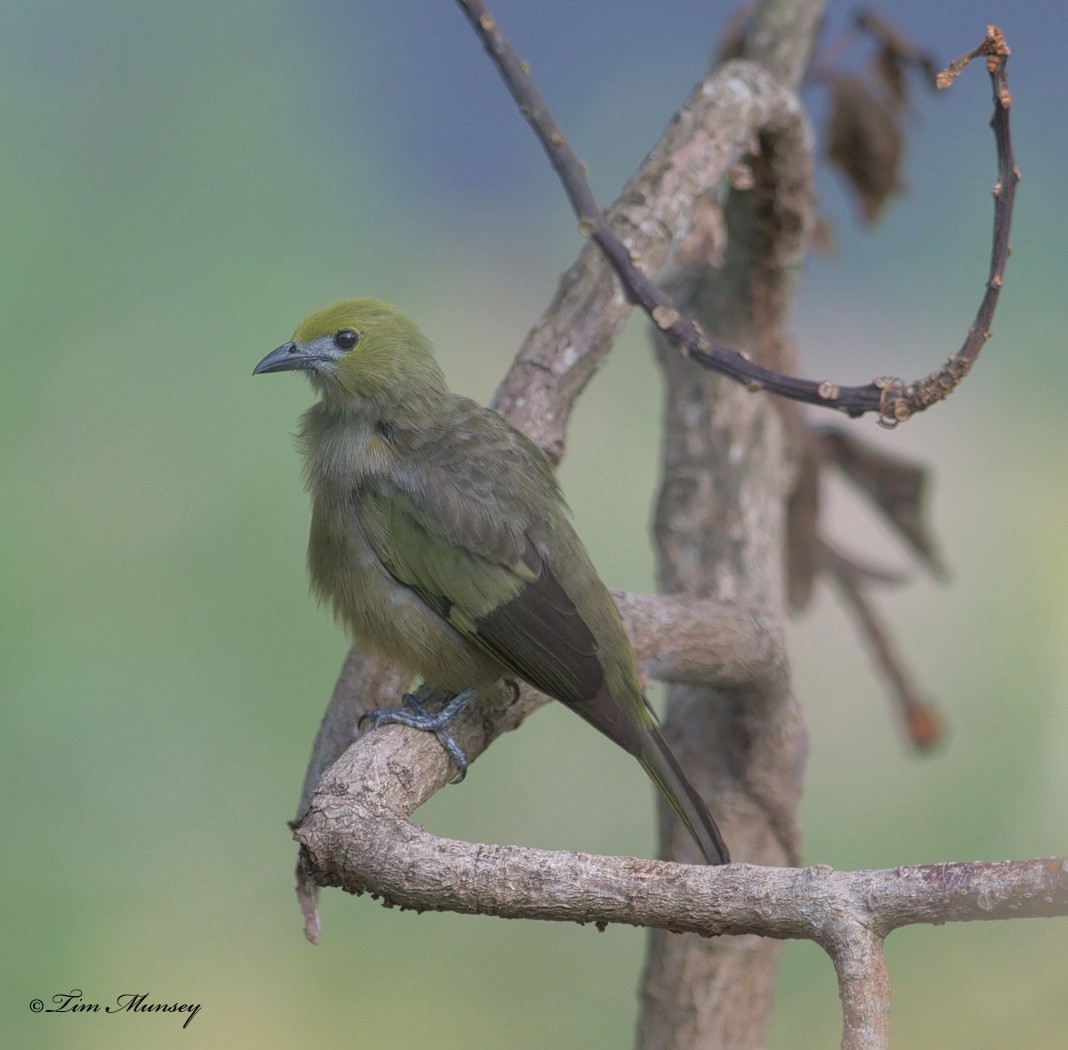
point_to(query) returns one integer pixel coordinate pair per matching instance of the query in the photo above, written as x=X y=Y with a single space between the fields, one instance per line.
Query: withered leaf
x=865 y=143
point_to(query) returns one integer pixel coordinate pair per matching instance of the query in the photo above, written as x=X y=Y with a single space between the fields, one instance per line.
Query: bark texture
x=728 y=471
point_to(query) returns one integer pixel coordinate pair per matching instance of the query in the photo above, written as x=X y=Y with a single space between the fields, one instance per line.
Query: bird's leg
x=436 y=723
x=420 y=718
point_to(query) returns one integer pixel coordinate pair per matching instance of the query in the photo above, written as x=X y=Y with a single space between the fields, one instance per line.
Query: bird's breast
x=376 y=609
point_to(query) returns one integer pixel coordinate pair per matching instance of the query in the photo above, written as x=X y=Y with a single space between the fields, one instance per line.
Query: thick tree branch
x=727 y=468
x=358 y=837
x=863 y=983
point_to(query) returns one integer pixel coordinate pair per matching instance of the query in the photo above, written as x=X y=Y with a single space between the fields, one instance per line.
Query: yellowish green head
x=361 y=350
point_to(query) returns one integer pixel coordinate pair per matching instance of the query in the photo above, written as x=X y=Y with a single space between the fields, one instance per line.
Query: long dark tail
x=664 y=770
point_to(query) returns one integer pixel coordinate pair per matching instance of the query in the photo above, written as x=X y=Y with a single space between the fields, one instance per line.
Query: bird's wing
x=493 y=587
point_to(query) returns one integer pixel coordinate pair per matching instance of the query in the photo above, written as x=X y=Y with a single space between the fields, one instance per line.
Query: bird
x=442 y=541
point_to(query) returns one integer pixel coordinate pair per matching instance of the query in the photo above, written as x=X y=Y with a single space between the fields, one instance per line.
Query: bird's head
x=361 y=351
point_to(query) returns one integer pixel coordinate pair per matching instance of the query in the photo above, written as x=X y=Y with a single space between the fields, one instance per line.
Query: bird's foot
x=420 y=718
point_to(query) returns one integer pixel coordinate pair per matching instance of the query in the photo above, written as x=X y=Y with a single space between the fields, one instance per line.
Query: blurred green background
x=181 y=184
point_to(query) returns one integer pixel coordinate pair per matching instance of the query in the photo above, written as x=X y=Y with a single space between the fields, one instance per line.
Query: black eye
x=346 y=339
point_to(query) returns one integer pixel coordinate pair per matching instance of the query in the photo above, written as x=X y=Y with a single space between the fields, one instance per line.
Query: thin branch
x=894 y=399
x=922 y=724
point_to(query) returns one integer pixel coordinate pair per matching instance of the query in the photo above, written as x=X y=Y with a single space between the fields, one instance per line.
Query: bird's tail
x=660 y=763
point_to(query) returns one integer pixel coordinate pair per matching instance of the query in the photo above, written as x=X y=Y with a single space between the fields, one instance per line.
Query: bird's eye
x=346 y=339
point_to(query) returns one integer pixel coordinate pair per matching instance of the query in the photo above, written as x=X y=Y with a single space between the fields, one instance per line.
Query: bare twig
x=893 y=399
x=712 y=129
x=921 y=722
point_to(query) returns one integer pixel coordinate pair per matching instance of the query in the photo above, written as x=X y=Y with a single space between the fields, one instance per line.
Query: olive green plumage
x=441 y=539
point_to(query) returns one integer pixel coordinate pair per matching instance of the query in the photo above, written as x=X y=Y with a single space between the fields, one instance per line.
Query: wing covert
x=516 y=611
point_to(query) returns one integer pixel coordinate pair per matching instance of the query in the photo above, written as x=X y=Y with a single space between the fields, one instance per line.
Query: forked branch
x=357 y=836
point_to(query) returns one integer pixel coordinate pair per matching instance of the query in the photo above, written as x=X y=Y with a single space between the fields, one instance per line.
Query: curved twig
x=893 y=399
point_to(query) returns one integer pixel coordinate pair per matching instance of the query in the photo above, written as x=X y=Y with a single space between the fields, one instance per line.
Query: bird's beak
x=286 y=358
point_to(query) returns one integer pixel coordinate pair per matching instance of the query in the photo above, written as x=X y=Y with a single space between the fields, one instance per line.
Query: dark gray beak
x=286 y=358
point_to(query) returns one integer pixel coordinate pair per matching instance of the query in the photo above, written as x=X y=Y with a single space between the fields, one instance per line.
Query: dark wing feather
x=512 y=605
x=516 y=611
x=541 y=636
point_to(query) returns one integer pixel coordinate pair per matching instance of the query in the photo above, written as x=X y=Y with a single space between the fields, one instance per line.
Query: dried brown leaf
x=821 y=236
x=864 y=141
x=897 y=487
